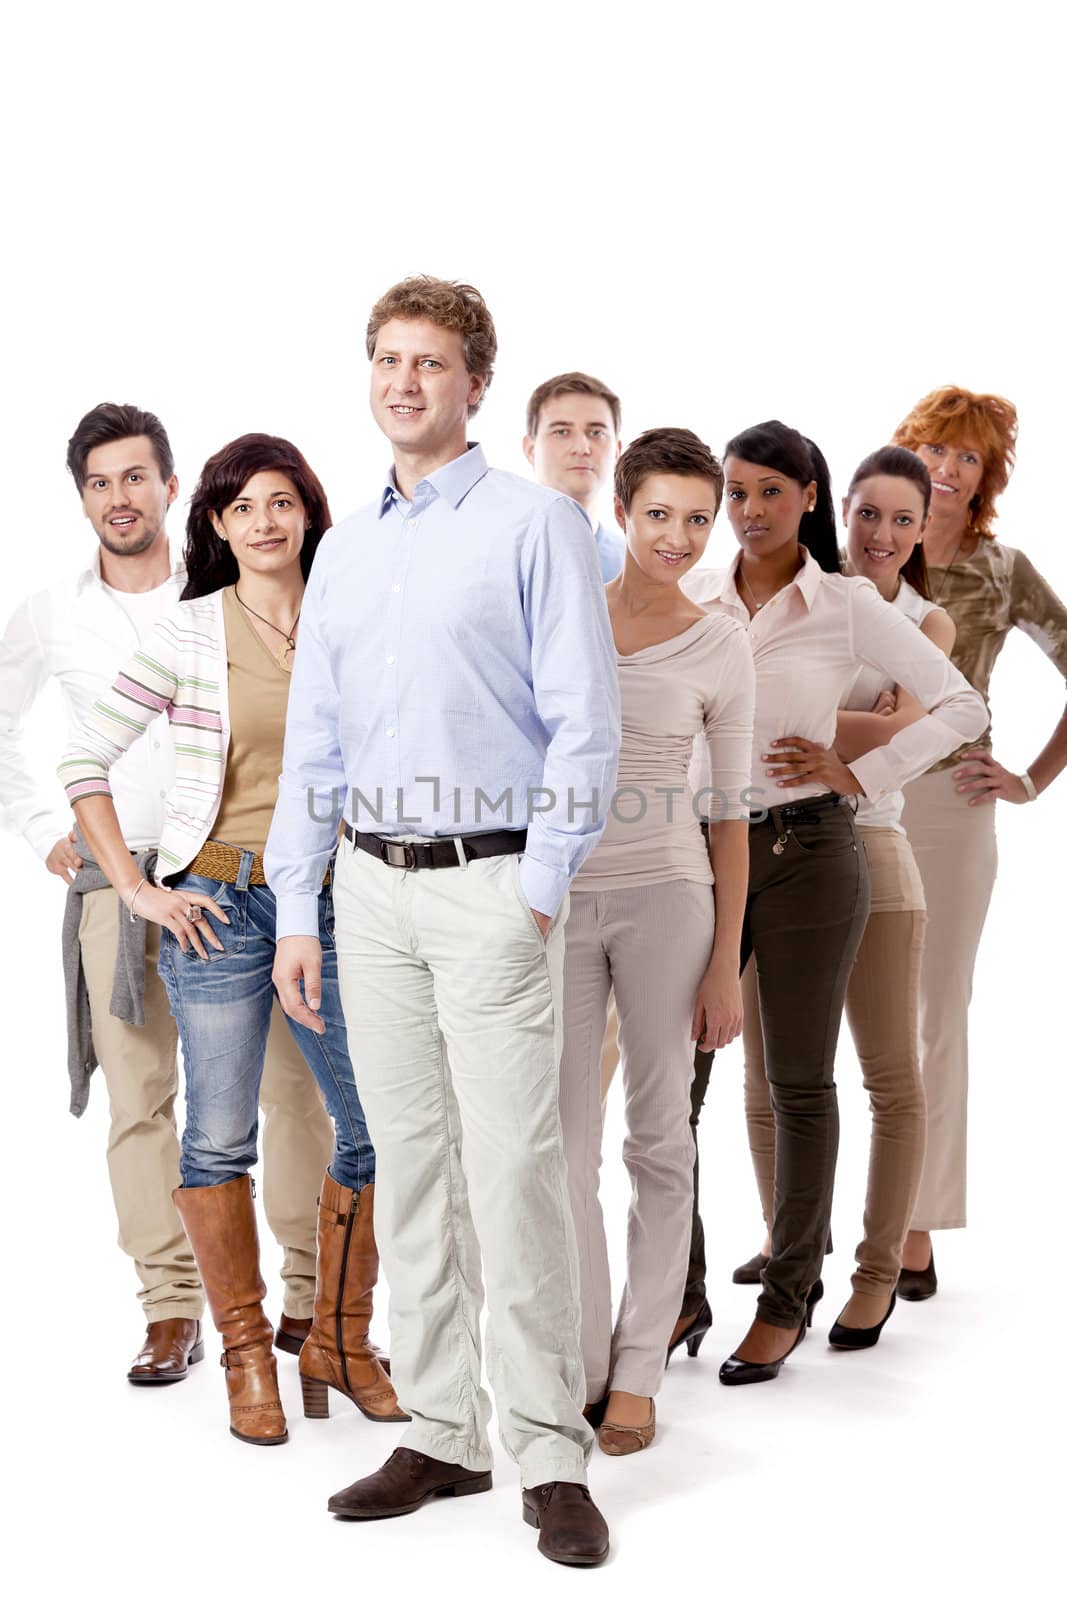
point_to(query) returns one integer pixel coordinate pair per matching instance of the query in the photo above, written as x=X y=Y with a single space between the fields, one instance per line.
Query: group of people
x=411 y=827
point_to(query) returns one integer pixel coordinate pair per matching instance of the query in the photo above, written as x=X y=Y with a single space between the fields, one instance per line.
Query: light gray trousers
x=453 y=1009
x=652 y=945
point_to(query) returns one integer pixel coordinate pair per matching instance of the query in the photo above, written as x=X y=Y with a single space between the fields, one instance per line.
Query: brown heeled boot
x=337 y=1354
x=220 y=1222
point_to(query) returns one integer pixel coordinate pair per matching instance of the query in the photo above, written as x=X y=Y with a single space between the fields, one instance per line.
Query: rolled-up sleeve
x=885 y=639
x=576 y=692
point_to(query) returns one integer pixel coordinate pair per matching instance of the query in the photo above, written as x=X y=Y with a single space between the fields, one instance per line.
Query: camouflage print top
x=986 y=595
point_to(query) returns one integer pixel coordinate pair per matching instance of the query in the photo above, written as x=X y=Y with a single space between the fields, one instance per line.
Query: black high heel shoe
x=692 y=1336
x=750 y=1271
x=843 y=1338
x=918 y=1285
x=735 y=1371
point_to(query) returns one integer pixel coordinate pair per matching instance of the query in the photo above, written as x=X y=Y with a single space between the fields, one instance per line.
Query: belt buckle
x=386 y=847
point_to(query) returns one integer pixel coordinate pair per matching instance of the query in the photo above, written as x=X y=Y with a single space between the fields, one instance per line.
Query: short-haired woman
x=219 y=666
x=646 y=921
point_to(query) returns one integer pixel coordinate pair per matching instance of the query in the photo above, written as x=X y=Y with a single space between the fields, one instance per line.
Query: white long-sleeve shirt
x=809 y=644
x=79 y=632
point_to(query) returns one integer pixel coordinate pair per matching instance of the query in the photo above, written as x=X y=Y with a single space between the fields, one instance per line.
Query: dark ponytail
x=894 y=461
x=772 y=444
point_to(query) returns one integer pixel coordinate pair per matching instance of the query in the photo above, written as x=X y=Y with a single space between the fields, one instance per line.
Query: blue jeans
x=222 y=1007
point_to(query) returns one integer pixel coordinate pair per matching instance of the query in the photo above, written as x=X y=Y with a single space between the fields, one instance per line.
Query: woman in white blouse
x=646 y=921
x=811 y=631
x=885 y=510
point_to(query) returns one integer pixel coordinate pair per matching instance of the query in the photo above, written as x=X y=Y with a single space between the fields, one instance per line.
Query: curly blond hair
x=448 y=305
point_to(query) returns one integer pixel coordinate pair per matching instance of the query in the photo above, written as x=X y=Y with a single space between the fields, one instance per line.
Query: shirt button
x=155 y=744
x=162 y=794
x=396 y=588
x=390 y=660
x=390 y=733
x=413 y=523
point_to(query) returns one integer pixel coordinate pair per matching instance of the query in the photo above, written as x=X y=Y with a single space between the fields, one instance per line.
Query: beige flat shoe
x=616 y=1439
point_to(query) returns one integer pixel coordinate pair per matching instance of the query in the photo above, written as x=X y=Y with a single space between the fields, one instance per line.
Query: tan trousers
x=956 y=852
x=139 y=1066
x=453 y=1006
x=652 y=945
x=881 y=1005
x=609 y=1050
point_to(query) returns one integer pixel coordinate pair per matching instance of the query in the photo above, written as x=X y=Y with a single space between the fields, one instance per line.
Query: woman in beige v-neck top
x=644 y=920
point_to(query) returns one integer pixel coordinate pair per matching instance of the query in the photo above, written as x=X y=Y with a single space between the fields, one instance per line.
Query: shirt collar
x=452 y=482
x=722 y=584
x=92 y=573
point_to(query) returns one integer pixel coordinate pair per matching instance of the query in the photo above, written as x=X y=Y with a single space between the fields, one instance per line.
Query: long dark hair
x=894 y=461
x=784 y=450
x=209 y=561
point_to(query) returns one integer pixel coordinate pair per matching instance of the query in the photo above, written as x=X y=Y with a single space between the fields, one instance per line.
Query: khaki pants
x=881 y=1005
x=139 y=1065
x=653 y=944
x=955 y=849
x=609 y=1050
x=453 y=1008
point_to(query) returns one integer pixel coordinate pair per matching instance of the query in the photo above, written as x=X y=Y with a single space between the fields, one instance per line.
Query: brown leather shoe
x=337 y=1353
x=291 y=1333
x=402 y=1484
x=171 y=1346
x=220 y=1222
x=572 y=1529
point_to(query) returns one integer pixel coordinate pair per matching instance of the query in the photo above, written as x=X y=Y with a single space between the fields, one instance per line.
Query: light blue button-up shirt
x=455 y=673
x=611 y=551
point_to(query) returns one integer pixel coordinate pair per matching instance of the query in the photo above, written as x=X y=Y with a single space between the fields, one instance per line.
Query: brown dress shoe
x=291 y=1333
x=220 y=1222
x=338 y=1353
x=572 y=1529
x=402 y=1484
x=170 y=1348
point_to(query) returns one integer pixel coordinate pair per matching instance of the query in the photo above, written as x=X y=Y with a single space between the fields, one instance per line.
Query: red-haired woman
x=968 y=443
x=219 y=666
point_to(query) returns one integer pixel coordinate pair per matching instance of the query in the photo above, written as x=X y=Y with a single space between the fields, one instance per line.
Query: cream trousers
x=955 y=849
x=139 y=1065
x=453 y=1006
x=651 y=946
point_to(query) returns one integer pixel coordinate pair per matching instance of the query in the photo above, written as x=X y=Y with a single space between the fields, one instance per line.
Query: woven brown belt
x=223 y=862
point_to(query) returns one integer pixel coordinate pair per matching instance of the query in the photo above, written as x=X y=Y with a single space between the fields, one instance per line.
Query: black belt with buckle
x=454 y=851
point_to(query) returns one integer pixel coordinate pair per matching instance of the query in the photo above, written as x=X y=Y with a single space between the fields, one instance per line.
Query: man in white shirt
x=79 y=632
x=573 y=426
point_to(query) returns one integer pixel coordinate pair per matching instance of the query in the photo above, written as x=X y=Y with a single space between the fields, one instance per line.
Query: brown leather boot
x=171 y=1346
x=337 y=1353
x=291 y=1333
x=220 y=1222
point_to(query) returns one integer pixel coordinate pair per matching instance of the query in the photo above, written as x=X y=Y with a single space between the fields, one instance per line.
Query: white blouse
x=886 y=812
x=809 y=644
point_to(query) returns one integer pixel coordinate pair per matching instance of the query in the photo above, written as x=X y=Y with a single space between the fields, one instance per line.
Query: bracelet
x=133 y=897
x=1029 y=785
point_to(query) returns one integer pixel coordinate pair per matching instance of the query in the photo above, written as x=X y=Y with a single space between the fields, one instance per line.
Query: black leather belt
x=454 y=851
x=806 y=810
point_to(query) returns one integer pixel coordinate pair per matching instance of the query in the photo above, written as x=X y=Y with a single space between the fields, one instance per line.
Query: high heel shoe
x=618 y=1439
x=918 y=1285
x=750 y=1271
x=843 y=1338
x=735 y=1371
x=692 y=1334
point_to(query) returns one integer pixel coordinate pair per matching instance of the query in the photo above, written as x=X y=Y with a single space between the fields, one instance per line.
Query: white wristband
x=1028 y=784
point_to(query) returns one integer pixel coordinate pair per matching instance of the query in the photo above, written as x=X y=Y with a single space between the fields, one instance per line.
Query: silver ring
x=194 y=913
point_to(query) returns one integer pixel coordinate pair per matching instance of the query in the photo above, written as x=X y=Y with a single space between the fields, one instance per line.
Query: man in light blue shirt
x=573 y=439
x=454 y=704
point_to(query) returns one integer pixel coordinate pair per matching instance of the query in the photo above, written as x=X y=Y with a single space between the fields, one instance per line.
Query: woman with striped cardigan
x=218 y=666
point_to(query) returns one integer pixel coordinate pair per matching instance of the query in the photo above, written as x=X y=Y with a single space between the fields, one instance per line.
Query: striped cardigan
x=181 y=670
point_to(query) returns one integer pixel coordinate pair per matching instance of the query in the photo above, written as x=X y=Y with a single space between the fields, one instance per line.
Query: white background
x=818 y=212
